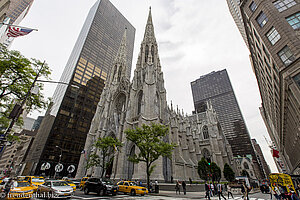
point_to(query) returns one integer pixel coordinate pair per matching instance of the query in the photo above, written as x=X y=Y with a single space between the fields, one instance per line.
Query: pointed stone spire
x=122 y=52
x=149 y=36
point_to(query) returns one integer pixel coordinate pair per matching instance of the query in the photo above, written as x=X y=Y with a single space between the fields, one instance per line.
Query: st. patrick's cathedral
x=127 y=105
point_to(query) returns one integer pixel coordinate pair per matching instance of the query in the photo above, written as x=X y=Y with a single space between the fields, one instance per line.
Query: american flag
x=16 y=32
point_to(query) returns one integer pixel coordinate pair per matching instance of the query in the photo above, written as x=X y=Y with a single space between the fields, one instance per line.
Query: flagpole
x=19 y=26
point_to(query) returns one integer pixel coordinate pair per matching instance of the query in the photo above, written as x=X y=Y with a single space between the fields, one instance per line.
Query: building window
x=286 y=56
x=282 y=5
x=205 y=132
x=273 y=36
x=246 y=166
x=253 y=6
x=297 y=79
x=294 y=20
x=262 y=19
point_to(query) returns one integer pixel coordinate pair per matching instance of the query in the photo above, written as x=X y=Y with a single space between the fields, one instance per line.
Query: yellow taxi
x=132 y=188
x=82 y=182
x=35 y=180
x=20 y=190
x=70 y=183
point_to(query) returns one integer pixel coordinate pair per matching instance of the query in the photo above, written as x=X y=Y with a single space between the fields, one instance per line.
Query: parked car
x=20 y=190
x=55 y=189
x=132 y=188
x=100 y=187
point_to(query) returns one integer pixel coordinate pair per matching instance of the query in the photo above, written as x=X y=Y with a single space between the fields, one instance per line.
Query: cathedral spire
x=122 y=52
x=149 y=36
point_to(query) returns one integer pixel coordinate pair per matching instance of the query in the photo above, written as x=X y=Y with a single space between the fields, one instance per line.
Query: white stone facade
x=127 y=105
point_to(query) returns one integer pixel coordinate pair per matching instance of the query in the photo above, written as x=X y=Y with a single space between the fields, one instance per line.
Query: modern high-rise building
x=16 y=12
x=62 y=133
x=272 y=30
x=261 y=159
x=216 y=87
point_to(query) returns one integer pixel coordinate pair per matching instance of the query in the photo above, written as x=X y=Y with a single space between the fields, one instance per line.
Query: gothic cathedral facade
x=127 y=105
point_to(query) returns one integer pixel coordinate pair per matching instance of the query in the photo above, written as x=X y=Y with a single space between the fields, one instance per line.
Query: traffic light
x=209 y=163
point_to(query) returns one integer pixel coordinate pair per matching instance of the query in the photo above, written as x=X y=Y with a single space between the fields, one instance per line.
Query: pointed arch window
x=152 y=53
x=140 y=98
x=205 y=132
x=119 y=73
x=246 y=166
x=146 y=53
x=115 y=71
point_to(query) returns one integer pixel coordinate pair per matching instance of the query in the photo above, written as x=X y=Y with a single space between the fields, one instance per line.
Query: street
x=167 y=195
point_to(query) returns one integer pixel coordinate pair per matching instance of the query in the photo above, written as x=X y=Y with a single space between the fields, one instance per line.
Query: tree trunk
x=148 y=177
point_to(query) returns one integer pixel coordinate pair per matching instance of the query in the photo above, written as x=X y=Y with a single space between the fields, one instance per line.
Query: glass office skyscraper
x=67 y=122
x=217 y=88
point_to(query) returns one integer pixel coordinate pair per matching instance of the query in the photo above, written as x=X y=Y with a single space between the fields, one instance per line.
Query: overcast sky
x=194 y=38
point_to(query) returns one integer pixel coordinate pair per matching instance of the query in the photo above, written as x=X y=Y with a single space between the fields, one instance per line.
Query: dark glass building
x=62 y=134
x=216 y=87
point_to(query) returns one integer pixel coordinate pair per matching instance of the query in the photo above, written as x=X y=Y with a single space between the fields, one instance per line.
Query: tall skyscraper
x=216 y=87
x=272 y=30
x=62 y=134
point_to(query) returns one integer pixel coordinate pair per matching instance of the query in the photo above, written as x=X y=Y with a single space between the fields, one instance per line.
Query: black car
x=100 y=187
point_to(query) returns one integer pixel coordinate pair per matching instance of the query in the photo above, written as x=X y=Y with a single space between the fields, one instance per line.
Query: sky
x=194 y=38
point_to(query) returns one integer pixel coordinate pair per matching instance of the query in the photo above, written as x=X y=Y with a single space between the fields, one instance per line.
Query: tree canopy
x=106 y=147
x=228 y=173
x=17 y=73
x=151 y=144
x=215 y=171
x=203 y=169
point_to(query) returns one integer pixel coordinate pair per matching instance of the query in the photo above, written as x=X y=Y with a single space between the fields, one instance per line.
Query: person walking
x=276 y=192
x=156 y=186
x=207 y=191
x=177 y=187
x=271 y=192
x=244 y=190
x=183 y=187
x=229 y=192
x=220 y=191
x=212 y=189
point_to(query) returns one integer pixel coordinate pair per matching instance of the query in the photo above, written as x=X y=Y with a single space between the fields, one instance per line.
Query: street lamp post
x=61 y=151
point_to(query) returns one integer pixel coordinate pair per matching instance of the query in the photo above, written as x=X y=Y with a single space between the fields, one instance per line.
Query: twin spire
x=149 y=36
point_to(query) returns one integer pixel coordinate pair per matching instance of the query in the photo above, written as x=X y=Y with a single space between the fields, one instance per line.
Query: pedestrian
x=151 y=187
x=183 y=187
x=8 y=186
x=190 y=181
x=220 y=191
x=276 y=192
x=212 y=189
x=207 y=190
x=271 y=192
x=156 y=186
x=229 y=192
x=244 y=190
x=177 y=187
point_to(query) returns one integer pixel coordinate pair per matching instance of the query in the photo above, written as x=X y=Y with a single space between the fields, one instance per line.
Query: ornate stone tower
x=110 y=115
x=147 y=103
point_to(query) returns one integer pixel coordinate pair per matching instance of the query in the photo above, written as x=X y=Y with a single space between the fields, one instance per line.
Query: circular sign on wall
x=59 y=167
x=71 y=169
x=45 y=166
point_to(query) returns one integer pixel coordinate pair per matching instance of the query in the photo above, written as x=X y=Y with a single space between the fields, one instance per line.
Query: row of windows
x=273 y=36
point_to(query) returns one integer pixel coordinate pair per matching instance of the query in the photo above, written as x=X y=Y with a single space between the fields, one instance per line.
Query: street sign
x=71 y=169
x=59 y=167
x=45 y=166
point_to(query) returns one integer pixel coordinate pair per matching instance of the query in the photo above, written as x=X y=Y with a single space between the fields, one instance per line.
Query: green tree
x=106 y=146
x=228 y=173
x=215 y=171
x=16 y=76
x=149 y=140
x=203 y=169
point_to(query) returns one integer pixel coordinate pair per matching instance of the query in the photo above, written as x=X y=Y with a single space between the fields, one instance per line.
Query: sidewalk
x=190 y=195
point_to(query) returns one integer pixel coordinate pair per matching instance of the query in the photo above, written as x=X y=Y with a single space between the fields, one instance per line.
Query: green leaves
x=151 y=144
x=17 y=73
x=228 y=173
x=106 y=147
x=203 y=169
